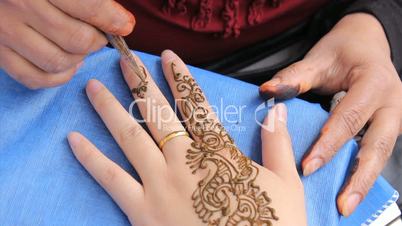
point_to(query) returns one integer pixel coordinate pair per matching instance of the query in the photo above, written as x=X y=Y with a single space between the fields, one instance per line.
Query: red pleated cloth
x=203 y=30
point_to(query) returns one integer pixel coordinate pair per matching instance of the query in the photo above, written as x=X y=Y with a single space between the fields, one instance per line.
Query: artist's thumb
x=298 y=78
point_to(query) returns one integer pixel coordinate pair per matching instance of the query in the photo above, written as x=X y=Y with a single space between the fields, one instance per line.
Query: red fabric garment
x=203 y=30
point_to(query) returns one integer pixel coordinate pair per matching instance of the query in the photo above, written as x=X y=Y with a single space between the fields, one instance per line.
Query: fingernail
x=123 y=20
x=120 y=20
x=280 y=91
x=265 y=93
x=312 y=166
x=351 y=203
x=74 y=139
x=123 y=23
x=168 y=55
x=281 y=112
x=286 y=91
x=94 y=86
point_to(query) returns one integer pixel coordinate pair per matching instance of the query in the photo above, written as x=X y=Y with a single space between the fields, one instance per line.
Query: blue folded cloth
x=43 y=184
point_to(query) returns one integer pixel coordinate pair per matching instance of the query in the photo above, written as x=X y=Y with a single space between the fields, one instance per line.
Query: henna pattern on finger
x=227 y=195
x=119 y=43
x=141 y=88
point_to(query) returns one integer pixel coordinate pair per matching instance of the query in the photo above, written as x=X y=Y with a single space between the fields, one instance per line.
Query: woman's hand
x=202 y=180
x=355 y=57
x=43 y=42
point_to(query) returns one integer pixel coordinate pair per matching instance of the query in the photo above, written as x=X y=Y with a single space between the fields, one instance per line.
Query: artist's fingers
x=346 y=120
x=298 y=78
x=155 y=109
x=199 y=117
x=40 y=51
x=107 y=15
x=376 y=148
x=70 y=34
x=135 y=142
x=28 y=74
x=123 y=188
x=277 y=152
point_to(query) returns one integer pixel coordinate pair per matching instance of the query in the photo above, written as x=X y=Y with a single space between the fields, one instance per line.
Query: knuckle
x=382 y=78
x=299 y=67
x=8 y=30
x=130 y=132
x=109 y=176
x=383 y=147
x=94 y=8
x=351 y=120
x=57 y=62
x=364 y=183
x=292 y=69
x=83 y=39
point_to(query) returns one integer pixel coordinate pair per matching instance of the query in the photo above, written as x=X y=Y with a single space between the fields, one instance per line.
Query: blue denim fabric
x=43 y=184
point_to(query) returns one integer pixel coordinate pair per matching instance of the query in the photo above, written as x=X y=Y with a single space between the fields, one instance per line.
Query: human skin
x=354 y=57
x=199 y=180
x=43 y=42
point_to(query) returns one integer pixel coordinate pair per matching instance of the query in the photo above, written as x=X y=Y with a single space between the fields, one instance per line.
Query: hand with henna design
x=196 y=179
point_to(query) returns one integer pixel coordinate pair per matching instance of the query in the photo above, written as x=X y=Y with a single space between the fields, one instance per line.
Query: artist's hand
x=354 y=57
x=43 y=42
x=202 y=180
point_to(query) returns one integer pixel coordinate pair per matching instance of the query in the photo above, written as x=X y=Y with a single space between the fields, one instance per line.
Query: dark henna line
x=142 y=87
x=119 y=44
x=280 y=92
x=227 y=195
x=266 y=95
x=287 y=92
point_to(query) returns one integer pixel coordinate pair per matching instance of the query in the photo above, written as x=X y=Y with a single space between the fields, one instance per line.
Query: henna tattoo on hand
x=119 y=43
x=141 y=88
x=227 y=195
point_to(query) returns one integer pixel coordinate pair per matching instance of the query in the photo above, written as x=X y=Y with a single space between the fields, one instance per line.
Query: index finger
x=107 y=15
x=124 y=189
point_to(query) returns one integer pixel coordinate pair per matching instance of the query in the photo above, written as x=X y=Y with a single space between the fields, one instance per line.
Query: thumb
x=277 y=152
x=298 y=78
